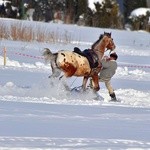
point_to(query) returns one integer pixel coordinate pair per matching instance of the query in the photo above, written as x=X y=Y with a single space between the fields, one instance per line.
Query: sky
x=38 y=113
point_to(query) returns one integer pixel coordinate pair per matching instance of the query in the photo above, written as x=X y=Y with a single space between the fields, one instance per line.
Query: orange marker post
x=4 y=56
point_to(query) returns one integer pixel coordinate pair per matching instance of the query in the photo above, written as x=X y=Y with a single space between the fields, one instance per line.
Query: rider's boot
x=113 y=97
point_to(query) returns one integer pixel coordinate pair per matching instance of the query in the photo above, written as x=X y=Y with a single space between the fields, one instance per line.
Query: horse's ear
x=100 y=37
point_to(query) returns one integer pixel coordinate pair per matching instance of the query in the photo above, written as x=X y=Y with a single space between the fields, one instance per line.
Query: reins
x=73 y=81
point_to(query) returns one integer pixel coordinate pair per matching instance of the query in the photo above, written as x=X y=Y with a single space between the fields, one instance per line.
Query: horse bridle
x=110 y=42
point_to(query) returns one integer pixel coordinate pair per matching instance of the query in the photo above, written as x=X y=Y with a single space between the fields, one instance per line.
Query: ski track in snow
x=68 y=143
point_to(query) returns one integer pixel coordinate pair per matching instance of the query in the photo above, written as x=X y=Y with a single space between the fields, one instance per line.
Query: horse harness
x=90 y=55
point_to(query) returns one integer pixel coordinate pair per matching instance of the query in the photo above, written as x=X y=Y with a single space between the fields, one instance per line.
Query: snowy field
x=34 y=114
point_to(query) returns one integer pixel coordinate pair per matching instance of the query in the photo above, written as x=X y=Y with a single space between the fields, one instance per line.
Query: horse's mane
x=100 y=38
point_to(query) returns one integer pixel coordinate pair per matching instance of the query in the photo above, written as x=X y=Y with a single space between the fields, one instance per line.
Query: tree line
x=105 y=15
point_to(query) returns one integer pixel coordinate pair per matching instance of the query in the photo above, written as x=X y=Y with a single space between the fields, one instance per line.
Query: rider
x=109 y=66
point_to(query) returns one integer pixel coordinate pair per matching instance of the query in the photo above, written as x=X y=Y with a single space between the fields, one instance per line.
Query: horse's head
x=108 y=39
x=105 y=40
x=110 y=45
x=107 y=34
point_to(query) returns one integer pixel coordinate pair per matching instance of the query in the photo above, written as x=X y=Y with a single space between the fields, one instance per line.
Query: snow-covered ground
x=37 y=113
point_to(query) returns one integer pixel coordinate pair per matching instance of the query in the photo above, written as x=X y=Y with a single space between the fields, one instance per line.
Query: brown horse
x=74 y=64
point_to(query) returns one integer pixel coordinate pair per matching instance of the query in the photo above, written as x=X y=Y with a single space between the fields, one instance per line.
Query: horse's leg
x=85 y=79
x=95 y=81
x=63 y=81
x=55 y=70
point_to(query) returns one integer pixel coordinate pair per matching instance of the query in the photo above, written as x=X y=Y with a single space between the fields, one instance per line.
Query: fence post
x=4 y=54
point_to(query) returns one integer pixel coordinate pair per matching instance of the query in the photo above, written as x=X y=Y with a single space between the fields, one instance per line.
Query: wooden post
x=4 y=56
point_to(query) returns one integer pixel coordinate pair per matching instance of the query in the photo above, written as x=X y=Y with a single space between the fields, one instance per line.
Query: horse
x=76 y=64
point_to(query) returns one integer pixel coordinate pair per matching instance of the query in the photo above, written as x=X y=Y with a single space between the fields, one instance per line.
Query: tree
x=45 y=9
x=137 y=22
x=75 y=8
x=69 y=11
x=88 y=17
x=107 y=15
x=130 y=5
x=140 y=22
x=82 y=6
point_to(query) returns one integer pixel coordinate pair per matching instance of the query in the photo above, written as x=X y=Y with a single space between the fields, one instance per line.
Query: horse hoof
x=97 y=89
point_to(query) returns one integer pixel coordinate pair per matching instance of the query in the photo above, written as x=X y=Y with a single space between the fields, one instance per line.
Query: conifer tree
x=130 y=5
x=107 y=15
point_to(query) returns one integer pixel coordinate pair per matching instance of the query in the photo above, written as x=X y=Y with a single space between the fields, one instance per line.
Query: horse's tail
x=47 y=54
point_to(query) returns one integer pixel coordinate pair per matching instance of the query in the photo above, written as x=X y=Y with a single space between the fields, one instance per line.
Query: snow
x=4 y=2
x=91 y=3
x=38 y=113
x=139 y=12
